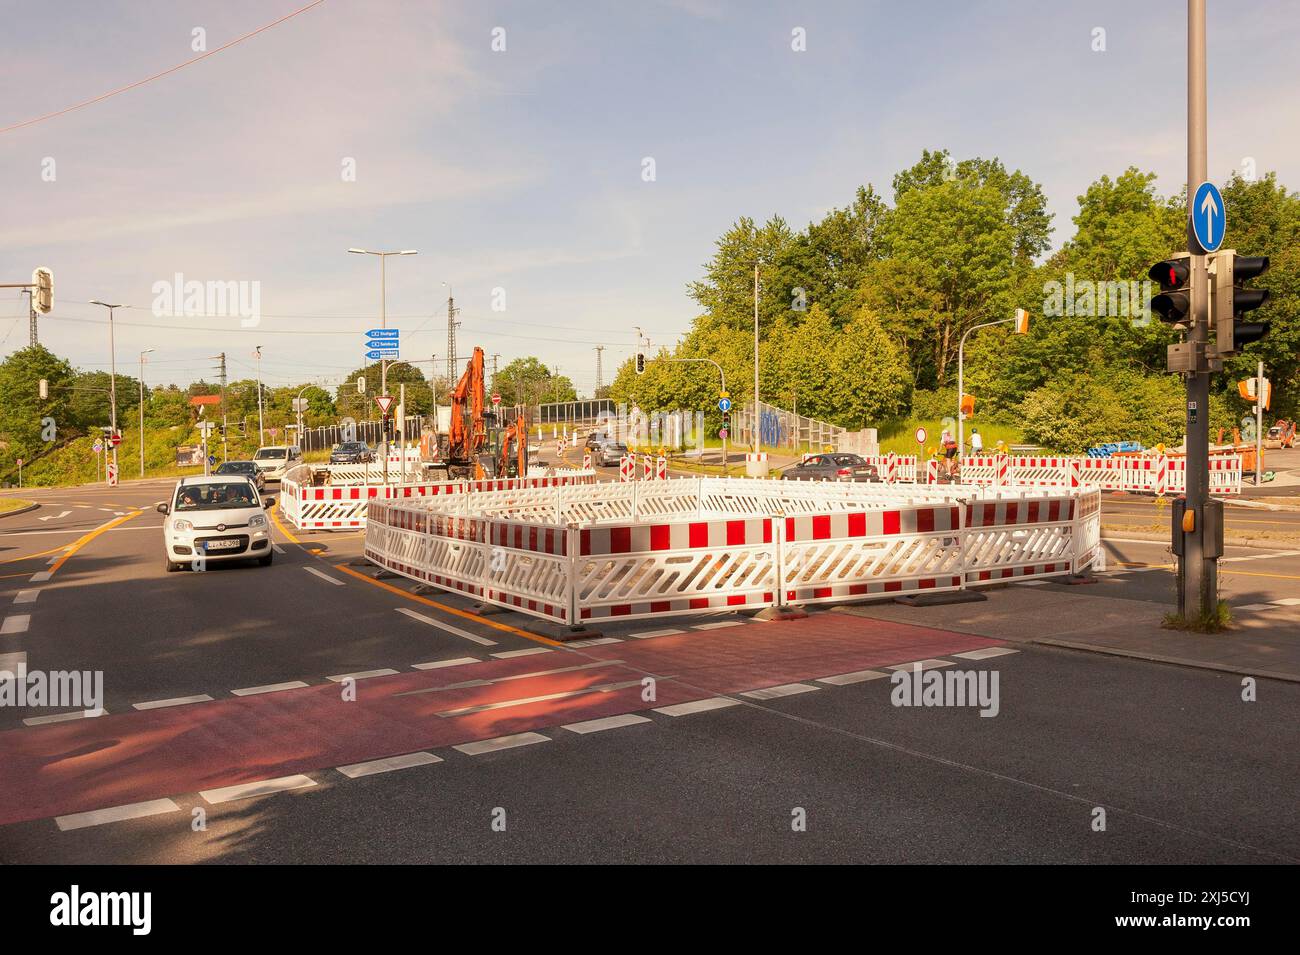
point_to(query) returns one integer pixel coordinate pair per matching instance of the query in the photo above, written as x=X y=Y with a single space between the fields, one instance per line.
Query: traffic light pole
x=1198 y=575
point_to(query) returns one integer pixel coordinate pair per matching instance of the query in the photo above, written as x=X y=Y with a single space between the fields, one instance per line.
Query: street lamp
x=383 y=323
x=261 y=430
x=1021 y=318
x=757 y=419
x=112 y=382
x=142 y=354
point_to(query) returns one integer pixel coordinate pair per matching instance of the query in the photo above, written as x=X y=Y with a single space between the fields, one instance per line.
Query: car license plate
x=221 y=545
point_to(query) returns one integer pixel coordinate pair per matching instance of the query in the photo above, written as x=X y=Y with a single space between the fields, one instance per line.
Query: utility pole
x=451 y=336
x=1199 y=574
x=221 y=371
x=112 y=391
x=600 y=371
x=31 y=318
x=756 y=415
x=261 y=430
x=1259 y=425
x=142 y=354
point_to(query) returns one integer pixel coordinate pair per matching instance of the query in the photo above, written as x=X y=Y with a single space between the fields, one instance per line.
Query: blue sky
x=521 y=169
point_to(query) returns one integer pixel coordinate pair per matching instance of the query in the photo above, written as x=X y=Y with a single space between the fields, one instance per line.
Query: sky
x=519 y=173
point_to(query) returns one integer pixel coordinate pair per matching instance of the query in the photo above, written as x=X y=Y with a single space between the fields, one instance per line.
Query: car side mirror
x=163 y=509
x=268 y=502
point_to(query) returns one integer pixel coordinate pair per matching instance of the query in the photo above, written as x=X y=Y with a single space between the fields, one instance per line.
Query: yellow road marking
x=44 y=553
x=468 y=615
x=82 y=542
x=1253 y=573
x=275 y=517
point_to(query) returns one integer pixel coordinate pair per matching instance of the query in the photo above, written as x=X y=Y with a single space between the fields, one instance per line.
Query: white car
x=215 y=517
x=273 y=460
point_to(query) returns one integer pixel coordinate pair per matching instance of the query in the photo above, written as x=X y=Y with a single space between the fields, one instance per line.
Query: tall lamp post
x=112 y=382
x=1021 y=318
x=142 y=354
x=383 y=323
x=261 y=430
x=757 y=418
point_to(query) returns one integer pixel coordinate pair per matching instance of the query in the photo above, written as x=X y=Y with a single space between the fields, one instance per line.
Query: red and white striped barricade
x=932 y=471
x=586 y=460
x=674 y=567
x=647 y=468
x=839 y=556
x=1225 y=474
x=982 y=471
x=1037 y=471
x=1108 y=474
x=661 y=468
x=627 y=467
x=1016 y=537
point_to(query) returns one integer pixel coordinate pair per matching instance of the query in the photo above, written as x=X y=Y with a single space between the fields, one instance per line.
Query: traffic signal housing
x=640 y=363
x=1174 y=303
x=1230 y=301
x=42 y=290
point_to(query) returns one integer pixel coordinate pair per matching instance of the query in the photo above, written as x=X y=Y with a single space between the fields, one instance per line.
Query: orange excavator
x=476 y=445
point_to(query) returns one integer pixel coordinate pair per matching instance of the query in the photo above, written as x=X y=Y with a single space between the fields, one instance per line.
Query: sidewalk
x=1079 y=618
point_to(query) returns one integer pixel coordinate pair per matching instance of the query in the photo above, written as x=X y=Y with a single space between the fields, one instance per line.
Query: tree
x=528 y=381
x=354 y=404
x=25 y=417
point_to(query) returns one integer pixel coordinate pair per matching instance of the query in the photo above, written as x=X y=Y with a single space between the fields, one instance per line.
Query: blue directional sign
x=724 y=405
x=1209 y=216
x=376 y=354
x=383 y=333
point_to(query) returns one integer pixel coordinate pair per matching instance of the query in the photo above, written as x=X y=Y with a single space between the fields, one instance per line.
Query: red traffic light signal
x=1174 y=303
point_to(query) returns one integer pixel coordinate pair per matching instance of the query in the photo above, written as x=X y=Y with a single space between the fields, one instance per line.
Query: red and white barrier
x=1141 y=474
x=570 y=553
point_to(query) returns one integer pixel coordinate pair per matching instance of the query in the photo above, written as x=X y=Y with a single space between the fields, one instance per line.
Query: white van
x=274 y=459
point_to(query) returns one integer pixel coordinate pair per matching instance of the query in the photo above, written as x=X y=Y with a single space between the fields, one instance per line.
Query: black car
x=832 y=467
x=352 y=452
x=248 y=469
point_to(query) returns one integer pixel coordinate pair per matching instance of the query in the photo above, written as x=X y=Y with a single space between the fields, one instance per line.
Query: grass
x=900 y=437
x=1215 y=620
x=8 y=504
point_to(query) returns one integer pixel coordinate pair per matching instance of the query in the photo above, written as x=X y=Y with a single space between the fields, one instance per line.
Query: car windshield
x=352 y=446
x=269 y=454
x=216 y=496
x=849 y=459
x=236 y=467
x=616 y=447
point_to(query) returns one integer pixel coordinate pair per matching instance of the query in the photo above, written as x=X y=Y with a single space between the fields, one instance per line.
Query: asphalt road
x=1184 y=769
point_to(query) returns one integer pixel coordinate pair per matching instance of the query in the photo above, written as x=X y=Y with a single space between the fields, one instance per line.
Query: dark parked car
x=596 y=439
x=352 y=452
x=832 y=467
x=248 y=469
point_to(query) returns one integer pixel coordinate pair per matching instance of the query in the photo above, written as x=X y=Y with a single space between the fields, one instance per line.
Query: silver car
x=832 y=467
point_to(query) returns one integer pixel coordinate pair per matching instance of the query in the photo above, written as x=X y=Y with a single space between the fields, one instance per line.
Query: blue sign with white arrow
x=724 y=405
x=375 y=354
x=1209 y=216
x=383 y=333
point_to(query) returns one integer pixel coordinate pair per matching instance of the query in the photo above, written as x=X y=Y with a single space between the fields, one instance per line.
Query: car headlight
x=182 y=525
x=257 y=520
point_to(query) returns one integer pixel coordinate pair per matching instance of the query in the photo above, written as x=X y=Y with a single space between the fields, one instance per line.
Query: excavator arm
x=518 y=434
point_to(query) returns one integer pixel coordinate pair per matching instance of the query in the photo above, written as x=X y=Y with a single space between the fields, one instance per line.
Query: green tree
x=351 y=403
x=528 y=381
x=25 y=417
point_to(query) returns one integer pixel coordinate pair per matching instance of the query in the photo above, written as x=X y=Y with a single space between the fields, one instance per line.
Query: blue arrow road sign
x=376 y=354
x=724 y=405
x=1209 y=216
x=383 y=333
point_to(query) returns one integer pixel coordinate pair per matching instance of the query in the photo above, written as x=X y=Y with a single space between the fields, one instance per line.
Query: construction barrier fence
x=573 y=552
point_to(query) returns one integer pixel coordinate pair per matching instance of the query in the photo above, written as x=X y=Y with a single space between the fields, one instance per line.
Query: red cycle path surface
x=87 y=764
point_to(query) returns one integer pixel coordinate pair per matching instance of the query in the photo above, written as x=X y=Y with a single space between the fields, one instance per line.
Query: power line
x=158 y=76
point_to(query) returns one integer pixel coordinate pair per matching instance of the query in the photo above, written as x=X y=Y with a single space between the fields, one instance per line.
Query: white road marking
x=13 y=665
x=985 y=653
x=1255 y=607
x=324 y=576
x=594 y=642
x=921 y=665
x=481 y=641
x=16 y=623
x=262 y=788
x=270 y=688
x=64 y=717
x=510 y=654
x=776 y=692
x=26 y=596
x=608 y=723
x=1029 y=583
x=719 y=625
x=174 y=701
x=501 y=742
x=697 y=706
x=98 y=817
x=1287 y=601
x=405 y=761
x=43 y=576
x=277 y=548
x=54 y=517
x=647 y=634
x=361 y=675
x=439 y=664
x=857 y=676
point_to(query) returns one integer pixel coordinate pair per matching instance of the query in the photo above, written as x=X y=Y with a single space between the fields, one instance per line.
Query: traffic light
x=361 y=385
x=1230 y=301
x=1174 y=303
x=43 y=388
x=42 y=290
x=1022 y=321
x=640 y=363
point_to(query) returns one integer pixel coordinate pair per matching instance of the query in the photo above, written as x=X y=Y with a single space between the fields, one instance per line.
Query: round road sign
x=920 y=436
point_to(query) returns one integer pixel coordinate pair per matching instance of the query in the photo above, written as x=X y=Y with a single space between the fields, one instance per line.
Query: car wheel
x=265 y=559
x=171 y=565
